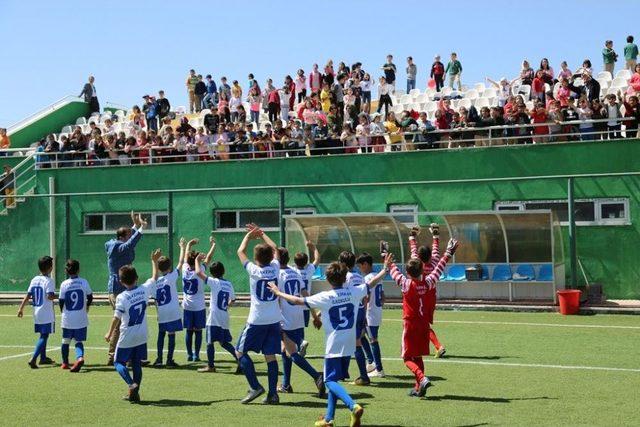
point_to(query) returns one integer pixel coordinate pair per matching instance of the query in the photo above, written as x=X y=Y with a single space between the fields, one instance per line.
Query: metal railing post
x=170 y=223
x=573 y=263
x=52 y=226
x=281 y=207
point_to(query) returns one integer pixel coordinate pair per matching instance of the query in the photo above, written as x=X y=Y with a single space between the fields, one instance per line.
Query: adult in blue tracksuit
x=121 y=252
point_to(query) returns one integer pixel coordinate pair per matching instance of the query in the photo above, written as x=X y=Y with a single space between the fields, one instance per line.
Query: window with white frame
x=406 y=214
x=300 y=211
x=601 y=211
x=267 y=219
x=109 y=222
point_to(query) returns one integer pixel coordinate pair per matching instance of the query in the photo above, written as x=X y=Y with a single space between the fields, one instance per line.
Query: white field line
x=15 y=356
x=398 y=359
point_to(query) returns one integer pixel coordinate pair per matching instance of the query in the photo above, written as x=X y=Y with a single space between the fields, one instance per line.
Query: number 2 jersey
x=166 y=296
x=290 y=282
x=265 y=308
x=221 y=294
x=131 y=309
x=193 y=289
x=339 y=308
x=74 y=292
x=39 y=289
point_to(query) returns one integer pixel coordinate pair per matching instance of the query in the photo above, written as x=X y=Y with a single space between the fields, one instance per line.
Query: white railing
x=38 y=115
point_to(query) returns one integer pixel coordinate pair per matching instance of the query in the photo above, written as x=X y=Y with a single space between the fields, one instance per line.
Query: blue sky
x=138 y=47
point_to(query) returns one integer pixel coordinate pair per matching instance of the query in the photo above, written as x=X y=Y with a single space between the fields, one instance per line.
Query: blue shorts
x=361 y=322
x=336 y=368
x=307 y=317
x=296 y=335
x=195 y=319
x=218 y=334
x=44 y=328
x=79 y=334
x=133 y=354
x=263 y=339
x=372 y=332
x=174 y=326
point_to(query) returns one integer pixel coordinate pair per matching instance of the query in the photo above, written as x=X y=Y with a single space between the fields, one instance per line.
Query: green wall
x=605 y=251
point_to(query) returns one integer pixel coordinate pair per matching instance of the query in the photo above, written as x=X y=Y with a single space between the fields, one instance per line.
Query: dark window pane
x=93 y=223
x=162 y=221
x=226 y=220
x=115 y=221
x=265 y=219
x=508 y=208
x=584 y=211
x=612 y=211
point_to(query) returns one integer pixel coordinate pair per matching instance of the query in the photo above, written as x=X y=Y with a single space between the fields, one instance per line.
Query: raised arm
x=201 y=274
x=139 y=224
x=155 y=256
x=435 y=244
x=316 y=253
x=242 y=249
x=212 y=249
x=182 y=244
x=388 y=259
x=262 y=235
x=413 y=244
x=434 y=276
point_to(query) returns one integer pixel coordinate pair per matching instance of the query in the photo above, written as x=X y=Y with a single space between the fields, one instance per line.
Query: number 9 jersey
x=131 y=309
x=265 y=307
x=74 y=293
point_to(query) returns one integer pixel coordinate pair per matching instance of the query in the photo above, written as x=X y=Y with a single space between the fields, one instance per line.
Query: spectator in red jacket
x=437 y=72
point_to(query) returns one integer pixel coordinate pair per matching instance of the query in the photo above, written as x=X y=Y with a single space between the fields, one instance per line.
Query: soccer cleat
x=32 y=364
x=171 y=363
x=271 y=399
x=207 y=369
x=285 y=389
x=157 y=363
x=134 y=394
x=144 y=363
x=64 y=366
x=323 y=423
x=239 y=370
x=361 y=381
x=302 y=351
x=441 y=352
x=110 y=361
x=46 y=361
x=356 y=416
x=252 y=395
x=190 y=358
x=424 y=385
x=196 y=359
x=371 y=367
x=322 y=391
x=377 y=374
x=76 y=366
x=413 y=393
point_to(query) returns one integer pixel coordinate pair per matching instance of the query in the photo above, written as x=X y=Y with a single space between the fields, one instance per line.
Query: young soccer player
x=222 y=297
x=130 y=316
x=193 y=300
x=75 y=299
x=415 y=298
x=291 y=282
x=42 y=292
x=339 y=307
x=373 y=314
x=167 y=303
x=262 y=331
x=306 y=271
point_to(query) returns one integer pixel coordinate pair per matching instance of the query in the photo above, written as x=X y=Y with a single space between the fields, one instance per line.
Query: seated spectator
x=394 y=132
x=538 y=117
x=51 y=148
x=423 y=138
x=584 y=114
x=547 y=72
x=632 y=111
x=586 y=68
x=526 y=74
x=634 y=81
x=565 y=72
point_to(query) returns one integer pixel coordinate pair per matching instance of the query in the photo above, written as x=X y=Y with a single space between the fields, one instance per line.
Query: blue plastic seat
x=501 y=273
x=524 y=272
x=456 y=273
x=546 y=273
x=485 y=273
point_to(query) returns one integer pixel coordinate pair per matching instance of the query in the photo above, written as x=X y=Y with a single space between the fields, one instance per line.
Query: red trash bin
x=569 y=301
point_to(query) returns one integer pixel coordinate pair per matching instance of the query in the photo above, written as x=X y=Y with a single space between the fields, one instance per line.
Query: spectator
x=211 y=121
x=584 y=114
x=565 y=72
x=570 y=114
x=223 y=108
x=224 y=88
x=236 y=90
x=412 y=72
x=209 y=100
x=599 y=112
x=384 y=97
x=537 y=86
x=199 y=91
x=504 y=90
x=609 y=56
x=253 y=82
x=632 y=112
x=526 y=74
x=437 y=72
x=547 y=72
x=234 y=103
x=329 y=74
x=586 y=68
x=136 y=118
x=630 y=54
x=164 y=107
x=363 y=133
x=51 y=147
x=390 y=72
x=564 y=92
x=365 y=88
x=301 y=85
x=554 y=117
x=90 y=96
x=5 y=142
x=634 y=81
x=315 y=80
x=255 y=101
x=284 y=95
x=192 y=80
x=496 y=119
x=613 y=114
x=590 y=87
x=8 y=185
x=242 y=114
x=273 y=102
x=338 y=93
x=150 y=109
x=538 y=117
x=377 y=131
x=393 y=130
x=454 y=70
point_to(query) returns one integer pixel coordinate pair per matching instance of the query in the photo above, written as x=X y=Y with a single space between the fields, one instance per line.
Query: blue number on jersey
x=263 y=293
x=377 y=296
x=74 y=300
x=292 y=287
x=341 y=317
x=37 y=294
x=306 y=284
x=136 y=313
x=223 y=300
x=190 y=286
x=163 y=295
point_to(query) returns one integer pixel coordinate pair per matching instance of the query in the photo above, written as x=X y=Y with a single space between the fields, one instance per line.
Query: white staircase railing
x=40 y=114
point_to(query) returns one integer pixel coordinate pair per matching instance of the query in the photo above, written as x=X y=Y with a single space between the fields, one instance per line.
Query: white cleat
x=371 y=367
x=303 y=348
x=376 y=374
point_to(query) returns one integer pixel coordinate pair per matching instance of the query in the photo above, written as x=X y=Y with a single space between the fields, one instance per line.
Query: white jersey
x=221 y=294
x=374 y=308
x=355 y=279
x=131 y=309
x=265 y=308
x=74 y=292
x=306 y=273
x=193 y=289
x=290 y=282
x=339 y=311
x=39 y=289
x=166 y=296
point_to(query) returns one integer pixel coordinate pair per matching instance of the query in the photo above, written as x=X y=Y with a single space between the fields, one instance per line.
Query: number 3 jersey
x=265 y=308
x=339 y=308
x=166 y=296
x=290 y=282
x=193 y=289
x=221 y=294
x=74 y=292
x=131 y=309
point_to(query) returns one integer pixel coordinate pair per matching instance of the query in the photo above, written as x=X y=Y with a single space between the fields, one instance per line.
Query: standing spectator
x=236 y=90
x=90 y=96
x=199 y=91
x=150 y=109
x=504 y=90
x=586 y=68
x=537 y=86
x=255 y=100
x=609 y=56
x=164 y=107
x=584 y=114
x=631 y=111
x=338 y=93
x=329 y=74
x=315 y=80
x=437 y=73
x=412 y=71
x=284 y=96
x=384 y=97
x=634 y=81
x=301 y=86
x=8 y=185
x=253 y=82
x=454 y=70
x=224 y=88
x=5 y=142
x=365 y=87
x=273 y=102
x=234 y=103
x=613 y=114
x=590 y=88
x=192 y=80
x=630 y=54
x=209 y=100
x=390 y=72
x=539 y=116
x=599 y=113
x=526 y=73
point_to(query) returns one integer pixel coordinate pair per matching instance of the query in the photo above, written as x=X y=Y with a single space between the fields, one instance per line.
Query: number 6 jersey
x=265 y=308
x=221 y=295
x=74 y=292
x=131 y=309
x=166 y=296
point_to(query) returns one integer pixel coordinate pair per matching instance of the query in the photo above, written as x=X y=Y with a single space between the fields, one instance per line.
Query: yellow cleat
x=323 y=423
x=356 y=416
x=440 y=353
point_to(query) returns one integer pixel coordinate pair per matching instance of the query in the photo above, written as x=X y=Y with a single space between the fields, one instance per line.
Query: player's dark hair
x=128 y=275
x=348 y=258
x=629 y=39
x=284 y=255
x=263 y=253
x=45 y=264
x=424 y=254
x=122 y=232
x=414 y=268
x=164 y=263
x=72 y=267
x=364 y=258
x=301 y=259
x=336 y=274
x=191 y=259
x=217 y=269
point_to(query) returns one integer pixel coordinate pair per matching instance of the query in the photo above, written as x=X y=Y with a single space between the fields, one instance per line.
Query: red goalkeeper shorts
x=415 y=338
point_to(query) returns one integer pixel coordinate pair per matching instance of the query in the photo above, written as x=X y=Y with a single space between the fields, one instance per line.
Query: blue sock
x=198 y=343
x=79 y=350
x=304 y=365
x=249 y=371
x=340 y=393
x=230 y=348
x=332 y=400
x=64 y=349
x=367 y=349
x=286 y=370
x=375 y=347
x=272 y=374
x=43 y=353
x=160 y=345
x=172 y=346
x=211 y=355
x=362 y=363
x=136 y=367
x=40 y=345
x=188 y=339
x=124 y=372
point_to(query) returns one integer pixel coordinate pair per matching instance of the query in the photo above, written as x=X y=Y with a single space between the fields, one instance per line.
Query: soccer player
x=339 y=307
x=42 y=292
x=193 y=300
x=373 y=314
x=130 y=317
x=75 y=299
x=262 y=331
x=429 y=262
x=222 y=297
x=290 y=282
x=306 y=270
x=167 y=303
x=415 y=298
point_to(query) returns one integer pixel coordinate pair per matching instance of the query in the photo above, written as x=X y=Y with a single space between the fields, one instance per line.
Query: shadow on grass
x=177 y=402
x=456 y=356
x=484 y=399
x=474 y=425
x=413 y=378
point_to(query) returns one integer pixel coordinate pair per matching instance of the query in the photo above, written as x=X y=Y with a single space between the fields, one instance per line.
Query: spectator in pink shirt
x=564 y=92
x=547 y=71
x=315 y=79
x=634 y=82
x=301 y=85
x=565 y=72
